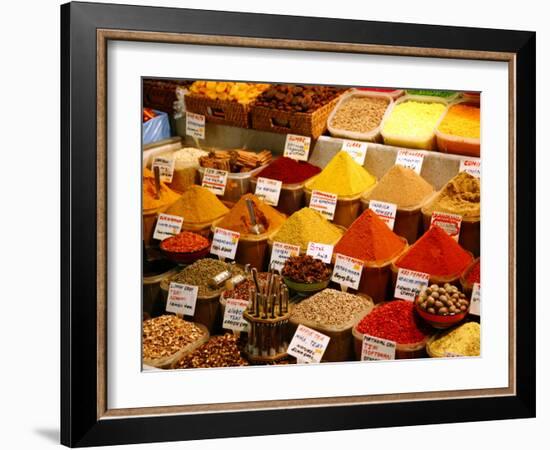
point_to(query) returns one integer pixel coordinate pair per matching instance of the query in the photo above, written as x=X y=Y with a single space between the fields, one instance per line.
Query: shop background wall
x=29 y=392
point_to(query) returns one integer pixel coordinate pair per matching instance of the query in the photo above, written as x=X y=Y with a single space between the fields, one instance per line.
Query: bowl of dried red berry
x=442 y=306
x=185 y=247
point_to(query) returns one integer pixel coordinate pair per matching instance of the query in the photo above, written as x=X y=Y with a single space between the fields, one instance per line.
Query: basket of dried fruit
x=221 y=102
x=296 y=109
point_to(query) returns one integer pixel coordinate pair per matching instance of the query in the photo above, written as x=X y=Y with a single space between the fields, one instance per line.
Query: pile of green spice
x=199 y=274
x=431 y=93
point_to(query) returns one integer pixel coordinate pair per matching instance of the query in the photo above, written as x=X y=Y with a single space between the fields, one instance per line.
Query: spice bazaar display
x=279 y=249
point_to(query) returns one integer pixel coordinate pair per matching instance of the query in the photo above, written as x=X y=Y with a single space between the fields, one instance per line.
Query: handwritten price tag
x=357 y=150
x=215 y=180
x=268 y=190
x=320 y=251
x=166 y=168
x=411 y=159
x=182 y=299
x=297 y=147
x=167 y=225
x=386 y=212
x=475 y=301
x=233 y=315
x=377 y=349
x=224 y=243
x=280 y=252
x=308 y=345
x=195 y=125
x=410 y=283
x=471 y=166
x=450 y=223
x=324 y=202
x=347 y=271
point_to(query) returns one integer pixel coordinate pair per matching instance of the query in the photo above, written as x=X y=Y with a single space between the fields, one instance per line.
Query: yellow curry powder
x=461 y=120
x=308 y=225
x=463 y=340
x=342 y=176
x=238 y=218
x=413 y=119
x=198 y=205
x=461 y=195
x=167 y=195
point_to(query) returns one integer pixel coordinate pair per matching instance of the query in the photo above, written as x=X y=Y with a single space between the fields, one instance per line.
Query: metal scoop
x=256 y=228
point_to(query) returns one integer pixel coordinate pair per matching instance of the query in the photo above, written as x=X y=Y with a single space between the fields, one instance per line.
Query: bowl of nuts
x=305 y=274
x=442 y=306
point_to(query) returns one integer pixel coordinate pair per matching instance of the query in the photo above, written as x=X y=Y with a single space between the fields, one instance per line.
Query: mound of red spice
x=185 y=242
x=474 y=273
x=396 y=321
x=436 y=253
x=289 y=171
x=369 y=239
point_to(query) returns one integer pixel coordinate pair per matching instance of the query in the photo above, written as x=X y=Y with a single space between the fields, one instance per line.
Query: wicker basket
x=161 y=95
x=224 y=112
x=305 y=124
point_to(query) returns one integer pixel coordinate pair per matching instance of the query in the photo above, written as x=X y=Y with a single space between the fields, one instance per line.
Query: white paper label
x=268 y=190
x=450 y=223
x=224 y=243
x=410 y=283
x=233 y=315
x=411 y=159
x=195 y=125
x=347 y=271
x=386 y=212
x=182 y=299
x=166 y=168
x=297 y=147
x=475 y=301
x=357 y=150
x=280 y=252
x=167 y=225
x=377 y=349
x=471 y=166
x=320 y=251
x=324 y=202
x=215 y=180
x=308 y=345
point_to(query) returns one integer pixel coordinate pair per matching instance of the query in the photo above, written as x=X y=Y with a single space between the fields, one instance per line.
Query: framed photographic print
x=277 y=224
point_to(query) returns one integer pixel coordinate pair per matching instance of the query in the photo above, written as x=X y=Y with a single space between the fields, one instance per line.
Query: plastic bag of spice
x=340 y=347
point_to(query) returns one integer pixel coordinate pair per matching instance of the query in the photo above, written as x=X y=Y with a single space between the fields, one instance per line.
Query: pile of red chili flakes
x=185 y=242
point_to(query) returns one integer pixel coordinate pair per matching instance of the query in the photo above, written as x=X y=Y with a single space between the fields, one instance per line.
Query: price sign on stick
x=324 y=202
x=376 y=349
x=297 y=147
x=475 y=301
x=195 y=125
x=167 y=225
x=319 y=251
x=215 y=180
x=280 y=252
x=386 y=211
x=471 y=166
x=347 y=271
x=307 y=345
x=409 y=284
x=224 y=243
x=269 y=190
x=411 y=159
x=233 y=315
x=450 y=223
x=182 y=299
x=166 y=167
x=357 y=150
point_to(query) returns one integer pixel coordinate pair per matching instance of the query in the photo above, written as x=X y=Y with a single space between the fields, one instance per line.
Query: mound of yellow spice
x=150 y=200
x=197 y=205
x=305 y=226
x=461 y=195
x=461 y=120
x=342 y=176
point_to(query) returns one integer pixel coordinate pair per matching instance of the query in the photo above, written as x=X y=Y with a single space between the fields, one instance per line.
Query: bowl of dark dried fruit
x=442 y=306
x=305 y=274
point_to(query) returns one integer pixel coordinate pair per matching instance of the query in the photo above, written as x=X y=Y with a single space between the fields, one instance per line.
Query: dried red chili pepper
x=185 y=242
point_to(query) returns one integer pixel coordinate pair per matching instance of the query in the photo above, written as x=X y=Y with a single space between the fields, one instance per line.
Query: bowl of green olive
x=442 y=306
